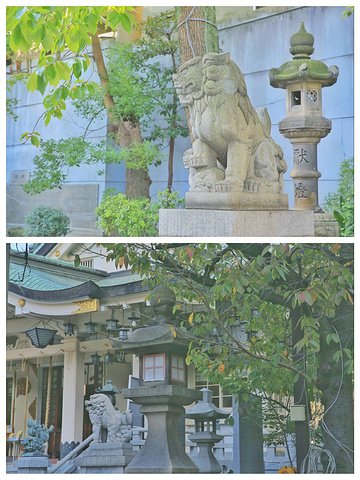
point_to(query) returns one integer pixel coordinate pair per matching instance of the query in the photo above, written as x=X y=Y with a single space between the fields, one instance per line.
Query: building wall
x=258 y=40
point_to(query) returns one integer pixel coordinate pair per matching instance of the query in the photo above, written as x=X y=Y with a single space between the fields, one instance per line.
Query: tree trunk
x=337 y=389
x=301 y=428
x=196 y=37
x=137 y=182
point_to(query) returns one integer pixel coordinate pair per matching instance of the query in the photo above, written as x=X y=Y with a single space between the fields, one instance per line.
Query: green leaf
x=125 y=22
x=20 y=12
x=31 y=83
x=48 y=40
x=41 y=84
x=77 y=260
x=35 y=141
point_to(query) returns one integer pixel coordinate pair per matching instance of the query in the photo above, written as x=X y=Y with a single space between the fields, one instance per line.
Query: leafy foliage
x=57 y=156
x=56 y=32
x=12 y=102
x=341 y=203
x=139 y=217
x=47 y=222
x=242 y=298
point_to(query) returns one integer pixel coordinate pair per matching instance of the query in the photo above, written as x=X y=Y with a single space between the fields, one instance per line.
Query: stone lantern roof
x=205 y=409
x=302 y=68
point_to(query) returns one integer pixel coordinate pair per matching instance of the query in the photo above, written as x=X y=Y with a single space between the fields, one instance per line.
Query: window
x=295 y=98
x=312 y=96
x=153 y=367
x=177 y=368
x=87 y=263
x=279 y=451
x=221 y=398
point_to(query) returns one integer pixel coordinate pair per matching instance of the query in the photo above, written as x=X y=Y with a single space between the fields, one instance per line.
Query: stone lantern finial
x=302 y=43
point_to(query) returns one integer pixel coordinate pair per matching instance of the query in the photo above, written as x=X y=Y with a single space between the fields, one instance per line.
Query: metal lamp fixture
x=120 y=357
x=108 y=358
x=112 y=323
x=90 y=327
x=123 y=333
x=41 y=337
x=95 y=359
x=69 y=328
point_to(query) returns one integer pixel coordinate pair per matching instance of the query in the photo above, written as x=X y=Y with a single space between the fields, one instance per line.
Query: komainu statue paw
x=229 y=186
x=195 y=159
x=252 y=185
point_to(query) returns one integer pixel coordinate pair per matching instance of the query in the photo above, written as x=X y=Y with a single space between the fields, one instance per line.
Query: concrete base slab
x=227 y=223
x=236 y=201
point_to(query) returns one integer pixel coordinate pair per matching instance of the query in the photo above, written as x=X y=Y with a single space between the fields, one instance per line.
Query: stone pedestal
x=326 y=225
x=236 y=201
x=105 y=458
x=163 y=451
x=227 y=223
x=32 y=464
x=205 y=459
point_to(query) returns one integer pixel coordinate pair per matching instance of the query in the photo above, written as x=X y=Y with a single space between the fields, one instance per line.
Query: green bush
x=16 y=232
x=139 y=217
x=47 y=222
x=341 y=203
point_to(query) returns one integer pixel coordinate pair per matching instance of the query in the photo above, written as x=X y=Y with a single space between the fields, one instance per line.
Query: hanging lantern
x=41 y=337
x=95 y=359
x=120 y=357
x=112 y=323
x=123 y=333
x=108 y=358
x=90 y=327
x=69 y=328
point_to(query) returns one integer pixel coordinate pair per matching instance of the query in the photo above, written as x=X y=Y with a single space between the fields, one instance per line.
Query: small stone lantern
x=110 y=390
x=205 y=414
x=162 y=391
x=304 y=125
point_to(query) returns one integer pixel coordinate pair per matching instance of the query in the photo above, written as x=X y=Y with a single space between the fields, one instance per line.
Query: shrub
x=128 y=217
x=16 y=232
x=47 y=222
x=341 y=203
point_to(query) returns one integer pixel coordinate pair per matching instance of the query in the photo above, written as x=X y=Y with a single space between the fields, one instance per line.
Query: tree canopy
x=267 y=290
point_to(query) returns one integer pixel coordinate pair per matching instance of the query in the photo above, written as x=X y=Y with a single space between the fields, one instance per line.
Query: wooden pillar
x=73 y=394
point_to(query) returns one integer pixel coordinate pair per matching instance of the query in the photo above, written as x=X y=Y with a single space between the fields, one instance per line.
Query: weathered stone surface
x=163 y=451
x=105 y=458
x=233 y=150
x=245 y=200
x=32 y=464
x=304 y=124
x=326 y=225
x=222 y=223
x=108 y=424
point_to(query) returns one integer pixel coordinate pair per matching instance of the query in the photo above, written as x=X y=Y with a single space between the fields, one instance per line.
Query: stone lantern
x=303 y=78
x=205 y=414
x=162 y=391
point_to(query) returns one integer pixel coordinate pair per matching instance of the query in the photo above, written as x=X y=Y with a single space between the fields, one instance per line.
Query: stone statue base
x=105 y=458
x=33 y=464
x=326 y=225
x=236 y=201
x=230 y=223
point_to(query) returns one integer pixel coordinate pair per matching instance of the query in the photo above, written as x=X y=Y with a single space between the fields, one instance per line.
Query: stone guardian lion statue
x=109 y=424
x=233 y=150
